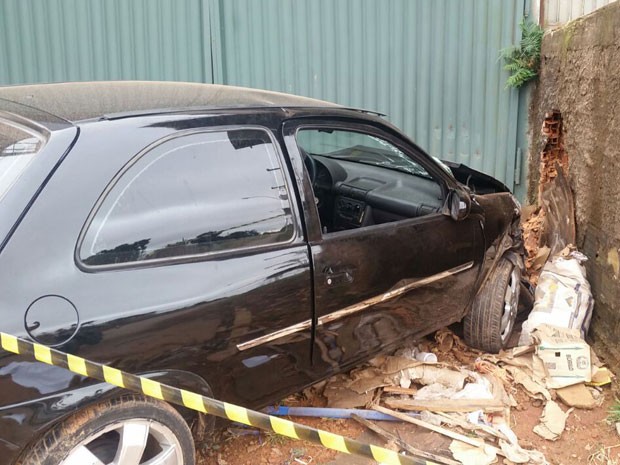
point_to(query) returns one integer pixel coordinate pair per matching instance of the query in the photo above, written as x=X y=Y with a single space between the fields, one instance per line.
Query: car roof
x=79 y=101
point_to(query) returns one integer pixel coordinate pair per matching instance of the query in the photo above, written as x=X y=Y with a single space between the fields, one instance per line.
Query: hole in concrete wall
x=551 y=224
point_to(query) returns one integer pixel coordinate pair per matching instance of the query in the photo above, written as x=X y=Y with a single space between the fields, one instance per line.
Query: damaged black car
x=237 y=243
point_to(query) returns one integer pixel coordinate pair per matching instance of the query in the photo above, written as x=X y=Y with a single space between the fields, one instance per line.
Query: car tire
x=491 y=320
x=129 y=430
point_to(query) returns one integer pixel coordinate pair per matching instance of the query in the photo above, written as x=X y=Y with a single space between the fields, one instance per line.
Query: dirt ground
x=588 y=438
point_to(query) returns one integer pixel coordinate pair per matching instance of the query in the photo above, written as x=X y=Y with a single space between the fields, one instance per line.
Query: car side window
x=360 y=179
x=195 y=194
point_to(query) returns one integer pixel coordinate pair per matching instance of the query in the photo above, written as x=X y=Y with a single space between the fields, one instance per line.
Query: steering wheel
x=310 y=164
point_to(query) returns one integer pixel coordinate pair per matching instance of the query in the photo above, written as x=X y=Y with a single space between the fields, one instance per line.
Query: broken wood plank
x=446 y=405
x=470 y=426
x=400 y=390
x=438 y=429
x=402 y=444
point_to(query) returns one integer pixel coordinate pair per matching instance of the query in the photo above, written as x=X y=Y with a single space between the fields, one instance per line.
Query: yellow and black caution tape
x=203 y=404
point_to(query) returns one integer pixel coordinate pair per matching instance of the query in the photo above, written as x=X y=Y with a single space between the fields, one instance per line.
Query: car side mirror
x=457 y=204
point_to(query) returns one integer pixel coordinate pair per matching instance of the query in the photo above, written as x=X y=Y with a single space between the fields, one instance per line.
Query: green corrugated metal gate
x=430 y=65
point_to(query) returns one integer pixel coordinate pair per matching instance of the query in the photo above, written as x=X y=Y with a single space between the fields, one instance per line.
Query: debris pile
x=467 y=396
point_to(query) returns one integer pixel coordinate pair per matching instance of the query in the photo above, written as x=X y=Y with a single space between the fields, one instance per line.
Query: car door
x=378 y=281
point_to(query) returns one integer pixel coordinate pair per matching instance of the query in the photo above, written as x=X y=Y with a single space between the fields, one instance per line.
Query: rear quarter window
x=197 y=194
x=18 y=147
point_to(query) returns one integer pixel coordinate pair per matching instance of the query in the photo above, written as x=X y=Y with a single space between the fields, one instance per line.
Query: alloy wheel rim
x=128 y=442
x=511 y=303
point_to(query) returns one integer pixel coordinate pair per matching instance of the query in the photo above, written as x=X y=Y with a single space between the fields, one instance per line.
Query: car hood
x=478 y=182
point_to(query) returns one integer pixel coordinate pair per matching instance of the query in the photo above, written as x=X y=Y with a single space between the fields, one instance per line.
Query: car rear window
x=18 y=147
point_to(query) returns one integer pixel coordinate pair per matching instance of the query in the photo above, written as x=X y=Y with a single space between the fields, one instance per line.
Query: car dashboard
x=352 y=194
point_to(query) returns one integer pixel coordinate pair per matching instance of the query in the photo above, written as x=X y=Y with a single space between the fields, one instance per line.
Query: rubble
x=468 y=397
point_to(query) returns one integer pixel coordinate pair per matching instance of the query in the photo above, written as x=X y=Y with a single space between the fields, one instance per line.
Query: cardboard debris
x=533 y=386
x=339 y=395
x=541 y=258
x=552 y=422
x=565 y=356
x=392 y=364
x=472 y=455
x=579 y=396
x=367 y=380
x=450 y=343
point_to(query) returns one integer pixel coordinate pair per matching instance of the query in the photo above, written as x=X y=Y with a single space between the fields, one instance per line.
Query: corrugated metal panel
x=78 y=40
x=432 y=66
x=558 y=12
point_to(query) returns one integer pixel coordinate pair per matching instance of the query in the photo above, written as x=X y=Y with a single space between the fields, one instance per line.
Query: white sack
x=563 y=297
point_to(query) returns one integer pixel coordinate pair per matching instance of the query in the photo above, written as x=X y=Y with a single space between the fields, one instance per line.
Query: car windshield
x=18 y=147
x=358 y=147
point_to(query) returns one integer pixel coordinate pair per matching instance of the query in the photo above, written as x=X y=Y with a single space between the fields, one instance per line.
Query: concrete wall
x=580 y=76
x=555 y=13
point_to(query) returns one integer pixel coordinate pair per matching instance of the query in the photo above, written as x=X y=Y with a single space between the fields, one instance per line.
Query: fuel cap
x=51 y=320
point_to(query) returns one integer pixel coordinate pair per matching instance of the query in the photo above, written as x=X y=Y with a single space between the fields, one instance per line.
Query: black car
x=238 y=243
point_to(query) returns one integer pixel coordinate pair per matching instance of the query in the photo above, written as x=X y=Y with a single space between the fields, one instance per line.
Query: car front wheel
x=127 y=431
x=489 y=324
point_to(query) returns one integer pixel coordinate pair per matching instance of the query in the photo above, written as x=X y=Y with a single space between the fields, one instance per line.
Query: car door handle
x=337 y=278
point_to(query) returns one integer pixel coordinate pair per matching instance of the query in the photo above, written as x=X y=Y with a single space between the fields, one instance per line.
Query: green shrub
x=522 y=62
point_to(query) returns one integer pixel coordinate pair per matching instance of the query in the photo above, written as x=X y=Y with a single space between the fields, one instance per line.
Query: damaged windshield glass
x=358 y=147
